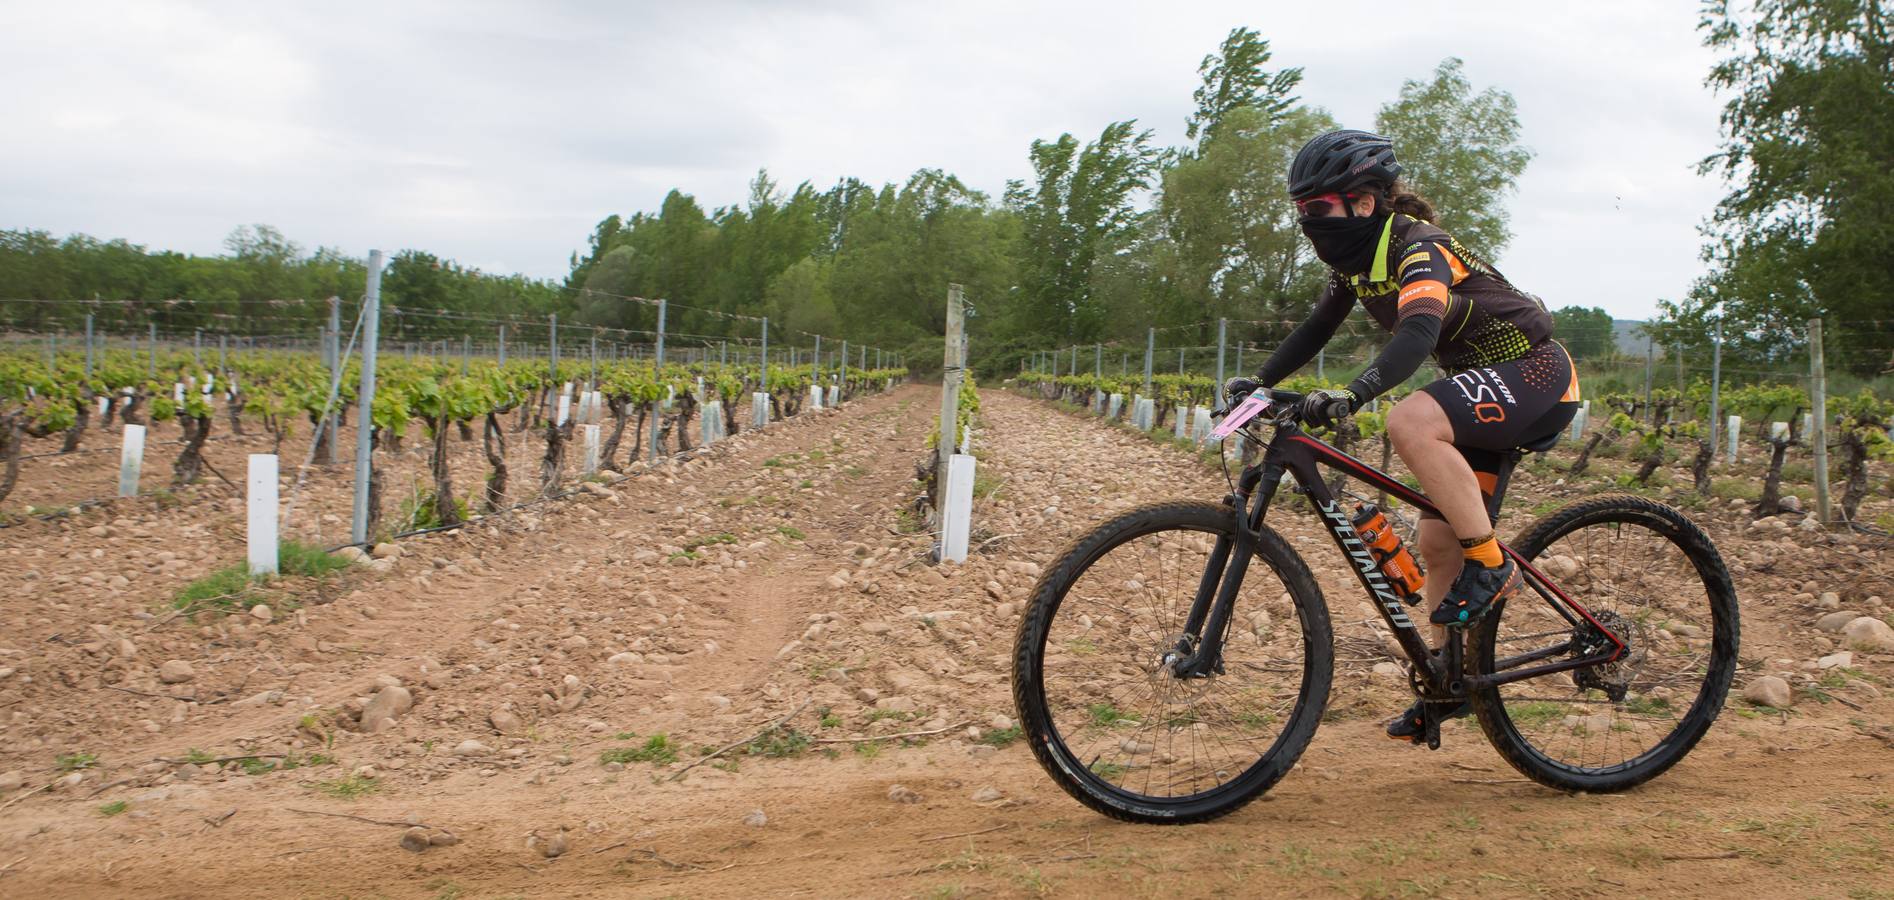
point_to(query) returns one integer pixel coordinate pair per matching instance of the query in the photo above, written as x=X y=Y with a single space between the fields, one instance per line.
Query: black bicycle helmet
x=1341 y=161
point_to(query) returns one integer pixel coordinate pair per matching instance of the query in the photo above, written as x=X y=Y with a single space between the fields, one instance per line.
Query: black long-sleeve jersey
x=1435 y=295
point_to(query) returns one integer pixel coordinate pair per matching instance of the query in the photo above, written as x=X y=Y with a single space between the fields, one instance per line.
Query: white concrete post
x=565 y=410
x=591 y=449
x=1736 y=425
x=710 y=422
x=263 y=512
x=131 y=458
x=759 y=409
x=957 y=517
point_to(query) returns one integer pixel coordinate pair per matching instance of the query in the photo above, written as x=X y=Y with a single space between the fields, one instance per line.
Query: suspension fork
x=1199 y=650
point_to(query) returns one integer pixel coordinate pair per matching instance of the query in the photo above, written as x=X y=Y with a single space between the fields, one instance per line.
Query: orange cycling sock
x=1483 y=550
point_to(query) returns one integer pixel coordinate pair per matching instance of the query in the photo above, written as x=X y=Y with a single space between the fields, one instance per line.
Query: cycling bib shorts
x=1498 y=407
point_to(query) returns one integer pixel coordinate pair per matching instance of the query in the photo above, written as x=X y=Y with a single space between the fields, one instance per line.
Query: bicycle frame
x=1293 y=452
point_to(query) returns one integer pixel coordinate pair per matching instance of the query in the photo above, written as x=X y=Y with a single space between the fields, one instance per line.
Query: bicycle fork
x=1198 y=652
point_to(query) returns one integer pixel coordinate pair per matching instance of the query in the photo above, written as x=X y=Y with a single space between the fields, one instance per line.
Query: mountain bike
x=1162 y=676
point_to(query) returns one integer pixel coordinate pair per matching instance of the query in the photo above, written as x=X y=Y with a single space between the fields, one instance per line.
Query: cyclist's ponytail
x=1403 y=199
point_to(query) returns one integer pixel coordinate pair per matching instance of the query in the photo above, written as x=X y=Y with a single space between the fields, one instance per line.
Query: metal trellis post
x=657 y=368
x=1818 y=440
x=365 y=400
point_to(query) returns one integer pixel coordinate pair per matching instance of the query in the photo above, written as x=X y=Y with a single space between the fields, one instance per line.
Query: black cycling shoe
x=1474 y=591
x=1410 y=726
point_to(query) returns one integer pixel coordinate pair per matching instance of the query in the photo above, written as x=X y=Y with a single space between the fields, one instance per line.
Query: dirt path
x=701 y=602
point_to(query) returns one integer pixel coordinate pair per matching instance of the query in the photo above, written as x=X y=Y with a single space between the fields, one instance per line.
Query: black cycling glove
x=1327 y=406
x=1235 y=389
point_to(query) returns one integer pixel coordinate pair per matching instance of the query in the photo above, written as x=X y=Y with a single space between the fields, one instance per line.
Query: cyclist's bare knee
x=1418 y=418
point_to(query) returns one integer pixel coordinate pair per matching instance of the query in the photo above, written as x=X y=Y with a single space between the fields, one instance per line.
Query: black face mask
x=1346 y=243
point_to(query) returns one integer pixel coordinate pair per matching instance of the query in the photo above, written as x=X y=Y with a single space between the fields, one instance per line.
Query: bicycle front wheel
x=1647 y=573
x=1117 y=729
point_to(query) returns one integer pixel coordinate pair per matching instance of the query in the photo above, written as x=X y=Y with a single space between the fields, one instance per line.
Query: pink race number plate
x=1243 y=412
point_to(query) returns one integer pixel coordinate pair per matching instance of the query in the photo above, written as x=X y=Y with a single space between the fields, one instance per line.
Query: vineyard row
x=281 y=391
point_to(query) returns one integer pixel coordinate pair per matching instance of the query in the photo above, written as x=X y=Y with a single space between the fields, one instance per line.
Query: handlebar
x=1281 y=398
x=1280 y=407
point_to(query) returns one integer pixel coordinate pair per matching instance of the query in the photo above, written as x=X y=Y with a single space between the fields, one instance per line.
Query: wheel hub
x=1613 y=678
x=1182 y=660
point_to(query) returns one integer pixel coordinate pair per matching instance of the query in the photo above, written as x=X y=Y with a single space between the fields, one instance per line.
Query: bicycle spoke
x=1138 y=727
x=1637 y=583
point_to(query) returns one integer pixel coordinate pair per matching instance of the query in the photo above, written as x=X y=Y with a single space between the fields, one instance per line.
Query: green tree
x=1234 y=78
x=899 y=248
x=1228 y=241
x=1461 y=150
x=1078 y=209
x=1586 y=331
x=1222 y=240
x=1805 y=228
x=799 y=298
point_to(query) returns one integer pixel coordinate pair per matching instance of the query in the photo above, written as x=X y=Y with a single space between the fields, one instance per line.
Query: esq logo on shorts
x=1473 y=386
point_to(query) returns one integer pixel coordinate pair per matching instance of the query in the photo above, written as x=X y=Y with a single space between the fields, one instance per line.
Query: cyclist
x=1508 y=382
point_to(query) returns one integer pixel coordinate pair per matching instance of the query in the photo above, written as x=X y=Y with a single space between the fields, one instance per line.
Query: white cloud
x=498 y=134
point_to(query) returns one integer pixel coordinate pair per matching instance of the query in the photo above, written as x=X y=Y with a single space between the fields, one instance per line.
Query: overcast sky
x=498 y=134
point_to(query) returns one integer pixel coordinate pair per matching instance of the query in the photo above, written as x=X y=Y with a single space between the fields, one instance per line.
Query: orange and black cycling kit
x=1511 y=383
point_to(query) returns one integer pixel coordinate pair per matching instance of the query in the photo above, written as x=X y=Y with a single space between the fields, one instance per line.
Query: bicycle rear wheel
x=1114 y=727
x=1645 y=571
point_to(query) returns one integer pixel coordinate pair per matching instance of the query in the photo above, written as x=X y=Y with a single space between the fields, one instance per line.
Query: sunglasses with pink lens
x=1322 y=204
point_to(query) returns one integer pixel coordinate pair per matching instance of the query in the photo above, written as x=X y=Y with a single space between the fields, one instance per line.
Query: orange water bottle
x=1388 y=552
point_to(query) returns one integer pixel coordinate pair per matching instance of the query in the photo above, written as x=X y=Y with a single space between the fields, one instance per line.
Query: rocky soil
x=514 y=709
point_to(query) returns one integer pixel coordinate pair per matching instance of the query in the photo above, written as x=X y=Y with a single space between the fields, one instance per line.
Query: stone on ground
x=1869 y=633
x=1769 y=691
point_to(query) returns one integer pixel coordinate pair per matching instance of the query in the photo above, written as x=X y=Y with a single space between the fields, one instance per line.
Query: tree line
x=1108 y=236
x=264 y=283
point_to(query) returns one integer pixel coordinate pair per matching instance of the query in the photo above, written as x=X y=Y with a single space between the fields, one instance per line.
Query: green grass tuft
x=113 y=808
x=348 y=788
x=780 y=742
x=707 y=540
x=1105 y=714
x=297 y=558
x=232 y=588
x=657 y=749
x=1000 y=737
x=73 y=762
x=227 y=588
x=1533 y=714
